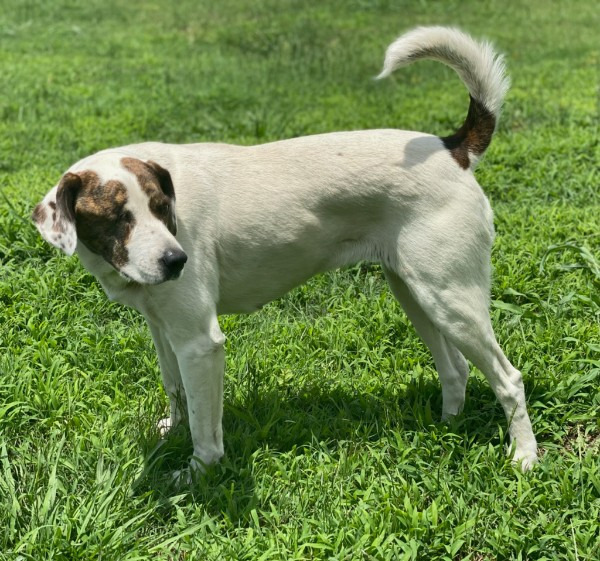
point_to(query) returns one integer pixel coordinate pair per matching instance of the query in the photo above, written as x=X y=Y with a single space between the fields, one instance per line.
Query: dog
x=250 y=223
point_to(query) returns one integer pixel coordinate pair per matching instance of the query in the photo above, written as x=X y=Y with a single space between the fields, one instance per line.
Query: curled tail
x=480 y=68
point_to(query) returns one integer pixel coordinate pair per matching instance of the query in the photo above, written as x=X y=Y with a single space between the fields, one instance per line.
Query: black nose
x=173 y=261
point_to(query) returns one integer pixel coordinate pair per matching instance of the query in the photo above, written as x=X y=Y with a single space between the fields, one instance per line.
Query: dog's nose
x=173 y=261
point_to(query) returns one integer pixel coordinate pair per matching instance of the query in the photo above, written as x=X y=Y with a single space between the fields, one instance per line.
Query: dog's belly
x=250 y=277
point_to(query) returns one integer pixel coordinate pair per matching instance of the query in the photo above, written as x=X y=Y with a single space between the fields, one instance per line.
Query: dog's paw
x=525 y=460
x=164 y=426
x=182 y=477
x=192 y=474
x=447 y=416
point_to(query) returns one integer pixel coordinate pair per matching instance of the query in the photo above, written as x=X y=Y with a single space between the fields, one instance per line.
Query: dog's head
x=120 y=208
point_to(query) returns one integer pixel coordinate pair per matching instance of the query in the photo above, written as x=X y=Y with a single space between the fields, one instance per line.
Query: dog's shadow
x=418 y=150
x=280 y=422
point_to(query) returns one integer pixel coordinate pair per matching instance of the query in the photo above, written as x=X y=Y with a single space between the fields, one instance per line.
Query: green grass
x=334 y=449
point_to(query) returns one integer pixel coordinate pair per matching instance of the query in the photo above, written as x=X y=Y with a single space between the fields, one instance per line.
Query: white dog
x=254 y=222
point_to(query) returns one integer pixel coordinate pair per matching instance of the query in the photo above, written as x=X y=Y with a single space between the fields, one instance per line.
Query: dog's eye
x=124 y=216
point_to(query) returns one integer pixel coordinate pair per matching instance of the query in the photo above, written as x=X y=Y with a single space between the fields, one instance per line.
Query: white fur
x=481 y=69
x=64 y=236
x=149 y=240
x=257 y=221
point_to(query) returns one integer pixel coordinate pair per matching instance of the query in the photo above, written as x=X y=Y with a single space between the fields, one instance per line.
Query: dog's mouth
x=150 y=280
x=127 y=277
x=174 y=276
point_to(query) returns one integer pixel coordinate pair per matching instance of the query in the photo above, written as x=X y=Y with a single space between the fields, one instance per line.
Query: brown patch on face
x=103 y=225
x=156 y=182
x=474 y=136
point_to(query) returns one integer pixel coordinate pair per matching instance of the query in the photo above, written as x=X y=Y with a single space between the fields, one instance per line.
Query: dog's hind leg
x=445 y=264
x=462 y=317
x=450 y=364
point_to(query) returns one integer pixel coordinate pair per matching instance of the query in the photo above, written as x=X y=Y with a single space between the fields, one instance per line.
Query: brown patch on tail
x=474 y=136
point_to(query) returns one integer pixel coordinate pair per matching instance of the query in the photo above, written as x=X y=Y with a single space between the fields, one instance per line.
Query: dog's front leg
x=171 y=377
x=202 y=365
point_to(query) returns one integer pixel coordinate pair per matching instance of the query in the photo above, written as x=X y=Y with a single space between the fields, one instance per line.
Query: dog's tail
x=481 y=69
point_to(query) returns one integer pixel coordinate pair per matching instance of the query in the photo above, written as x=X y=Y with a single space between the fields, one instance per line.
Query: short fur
x=257 y=221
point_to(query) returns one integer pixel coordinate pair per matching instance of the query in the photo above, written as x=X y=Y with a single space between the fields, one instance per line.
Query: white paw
x=450 y=410
x=164 y=426
x=447 y=415
x=187 y=476
x=182 y=477
x=525 y=459
x=452 y=404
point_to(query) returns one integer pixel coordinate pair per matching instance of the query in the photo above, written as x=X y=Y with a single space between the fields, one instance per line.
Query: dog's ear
x=166 y=184
x=54 y=217
x=164 y=178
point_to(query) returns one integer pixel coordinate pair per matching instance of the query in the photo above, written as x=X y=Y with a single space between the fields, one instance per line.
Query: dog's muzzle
x=172 y=262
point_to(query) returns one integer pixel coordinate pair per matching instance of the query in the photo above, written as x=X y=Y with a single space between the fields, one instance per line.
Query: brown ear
x=166 y=185
x=164 y=179
x=54 y=217
x=69 y=186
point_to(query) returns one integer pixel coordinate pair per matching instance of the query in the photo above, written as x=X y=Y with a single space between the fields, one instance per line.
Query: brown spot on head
x=103 y=224
x=156 y=182
x=474 y=136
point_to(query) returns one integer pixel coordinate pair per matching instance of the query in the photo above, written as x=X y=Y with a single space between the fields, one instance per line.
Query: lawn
x=334 y=445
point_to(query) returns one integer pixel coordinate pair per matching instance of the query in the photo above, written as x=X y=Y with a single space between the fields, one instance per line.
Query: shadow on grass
x=280 y=423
